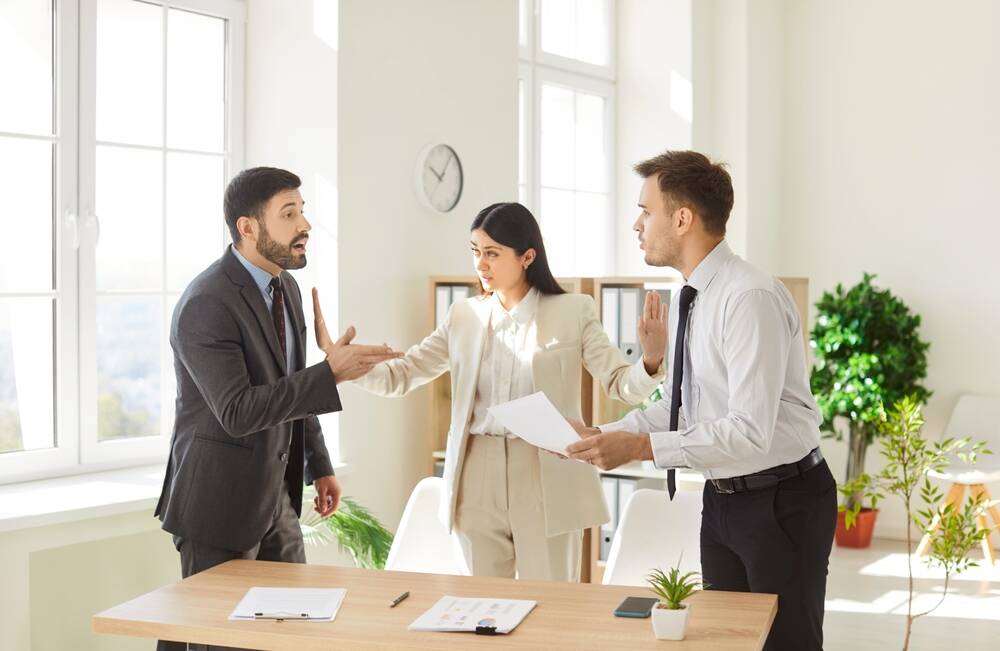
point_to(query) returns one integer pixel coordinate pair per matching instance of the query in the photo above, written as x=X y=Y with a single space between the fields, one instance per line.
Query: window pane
x=591 y=157
x=26 y=53
x=129 y=205
x=558 y=27
x=195 y=224
x=590 y=224
x=26 y=187
x=196 y=81
x=592 y=29
x=556 y=220
x=576 y=29
x=557 y=134
x=129 y=72
x=27 y=361
x=128 y=366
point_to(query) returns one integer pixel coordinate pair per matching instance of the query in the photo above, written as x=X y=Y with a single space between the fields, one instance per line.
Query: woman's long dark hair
x=513 y=225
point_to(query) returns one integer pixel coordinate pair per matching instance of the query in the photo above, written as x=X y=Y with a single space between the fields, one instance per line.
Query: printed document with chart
x=465 y=614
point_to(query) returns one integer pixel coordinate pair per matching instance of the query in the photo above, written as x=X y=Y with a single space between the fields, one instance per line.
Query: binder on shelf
x=629 y=313
x=442 y=301
x=609 y=312
x=607 y=530
x=459 y=293
x=625 y=489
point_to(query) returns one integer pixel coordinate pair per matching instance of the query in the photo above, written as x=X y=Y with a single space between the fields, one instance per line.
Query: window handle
x=73 y=225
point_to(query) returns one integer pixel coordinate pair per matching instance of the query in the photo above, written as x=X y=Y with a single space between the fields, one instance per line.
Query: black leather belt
x=768 y=478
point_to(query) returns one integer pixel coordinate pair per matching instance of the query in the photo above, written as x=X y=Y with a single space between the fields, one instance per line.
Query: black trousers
x=775 y=540
x=282 y=542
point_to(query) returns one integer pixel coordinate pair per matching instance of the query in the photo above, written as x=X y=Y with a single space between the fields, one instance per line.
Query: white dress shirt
x=745 y=398
x=505 y=373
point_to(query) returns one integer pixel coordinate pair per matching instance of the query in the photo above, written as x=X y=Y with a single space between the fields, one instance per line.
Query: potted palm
x=910 y=458
x=868 y=353
x=670 y=615
x=355 y=529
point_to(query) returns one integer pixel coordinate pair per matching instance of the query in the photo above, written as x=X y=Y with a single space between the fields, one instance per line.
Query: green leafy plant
x=673 y=587
x=909 y=460
x=868 y=353
x=353 y=527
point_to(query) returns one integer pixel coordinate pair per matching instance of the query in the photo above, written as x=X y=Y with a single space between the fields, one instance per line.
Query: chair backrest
x=976 y=417
x=422 y=543
x=655 y=532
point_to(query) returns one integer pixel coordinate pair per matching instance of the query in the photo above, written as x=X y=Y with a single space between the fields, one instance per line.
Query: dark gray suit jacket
x=242 y=423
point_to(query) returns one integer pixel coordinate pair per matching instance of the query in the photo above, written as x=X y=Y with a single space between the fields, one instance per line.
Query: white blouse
x=505 y=373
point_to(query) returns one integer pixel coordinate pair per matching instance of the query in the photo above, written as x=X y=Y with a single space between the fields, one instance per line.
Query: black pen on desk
x=399 y=599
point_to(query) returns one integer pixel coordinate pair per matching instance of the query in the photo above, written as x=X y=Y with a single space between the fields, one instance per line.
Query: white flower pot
x=670 y=624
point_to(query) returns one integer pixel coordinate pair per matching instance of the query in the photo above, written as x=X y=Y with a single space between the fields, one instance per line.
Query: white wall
x=862 y=142
x=891 y=131
x=653 y=107
x=411 y=74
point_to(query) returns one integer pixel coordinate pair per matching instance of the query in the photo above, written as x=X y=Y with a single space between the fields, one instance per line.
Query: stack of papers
x=536 y=420
x=311 y=604
x=466 y=614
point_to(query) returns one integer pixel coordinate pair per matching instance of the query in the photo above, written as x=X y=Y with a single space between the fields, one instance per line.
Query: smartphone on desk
x=636 y=607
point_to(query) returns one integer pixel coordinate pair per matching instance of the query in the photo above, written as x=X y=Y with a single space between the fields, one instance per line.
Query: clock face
x=439 y=177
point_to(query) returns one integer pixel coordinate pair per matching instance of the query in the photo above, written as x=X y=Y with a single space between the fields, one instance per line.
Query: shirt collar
x=260 y=276
x=522 y=313
x=706 y=270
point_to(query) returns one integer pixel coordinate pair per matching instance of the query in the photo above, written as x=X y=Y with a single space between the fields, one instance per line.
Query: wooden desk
x=567 y=616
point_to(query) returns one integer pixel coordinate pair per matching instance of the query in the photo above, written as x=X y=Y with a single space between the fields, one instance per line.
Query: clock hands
x=440 y=177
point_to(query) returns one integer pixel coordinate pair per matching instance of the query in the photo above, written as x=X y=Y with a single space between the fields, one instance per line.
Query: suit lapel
x=481 y=309
x=251 y=294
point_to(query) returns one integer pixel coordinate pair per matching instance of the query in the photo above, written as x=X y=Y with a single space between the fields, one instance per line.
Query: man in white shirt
x=740 y=410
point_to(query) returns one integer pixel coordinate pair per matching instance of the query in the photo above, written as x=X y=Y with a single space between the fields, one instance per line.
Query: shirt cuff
x=641 y=378
x=667 y=451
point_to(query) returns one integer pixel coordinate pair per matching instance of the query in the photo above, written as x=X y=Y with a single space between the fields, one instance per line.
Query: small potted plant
x=671 y=614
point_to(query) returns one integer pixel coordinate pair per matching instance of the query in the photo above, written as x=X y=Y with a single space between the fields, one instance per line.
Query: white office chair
x=422 y=543
x=978 y=418
x=655 y=533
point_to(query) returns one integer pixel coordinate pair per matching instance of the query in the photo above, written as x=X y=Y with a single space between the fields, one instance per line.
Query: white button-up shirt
x=746 y=404
x=505 y=373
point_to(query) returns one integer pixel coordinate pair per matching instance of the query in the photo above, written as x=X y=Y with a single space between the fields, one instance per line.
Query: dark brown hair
x=689 y=179
x=249 y=192
x=513 y=225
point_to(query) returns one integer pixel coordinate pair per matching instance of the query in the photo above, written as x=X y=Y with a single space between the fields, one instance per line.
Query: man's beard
x=278 y=253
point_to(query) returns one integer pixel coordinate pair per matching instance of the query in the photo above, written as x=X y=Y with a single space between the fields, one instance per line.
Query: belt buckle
x=720 y=489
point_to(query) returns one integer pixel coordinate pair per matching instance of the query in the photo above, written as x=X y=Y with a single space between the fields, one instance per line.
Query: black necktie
x=687 y=297
x=278 y=313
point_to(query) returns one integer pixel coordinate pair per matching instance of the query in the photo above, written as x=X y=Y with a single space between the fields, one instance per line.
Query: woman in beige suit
x=513 y=507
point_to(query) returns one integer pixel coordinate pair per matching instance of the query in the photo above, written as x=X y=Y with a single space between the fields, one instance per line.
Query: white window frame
x=604 y=89
x=537 y=67
x=76 y=448
x=607 y=71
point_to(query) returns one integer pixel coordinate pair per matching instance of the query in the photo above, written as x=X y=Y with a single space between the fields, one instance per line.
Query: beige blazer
x=568 y=336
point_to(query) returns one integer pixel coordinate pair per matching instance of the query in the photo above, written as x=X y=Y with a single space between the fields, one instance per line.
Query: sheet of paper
x=321 y=604
x=536 y=420
x=464 y=614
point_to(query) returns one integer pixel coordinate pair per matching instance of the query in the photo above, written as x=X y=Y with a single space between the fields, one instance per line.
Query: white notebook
x=466 y=614
x=309 y=604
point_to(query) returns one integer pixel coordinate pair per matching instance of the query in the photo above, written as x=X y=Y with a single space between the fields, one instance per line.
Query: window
x=116 y=160
x=566 y=95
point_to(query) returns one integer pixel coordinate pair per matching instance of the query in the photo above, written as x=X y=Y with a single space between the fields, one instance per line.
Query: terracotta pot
x=860 y=535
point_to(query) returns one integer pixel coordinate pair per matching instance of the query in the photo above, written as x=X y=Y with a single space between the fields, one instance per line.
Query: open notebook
x=310 y=604
x=474 y=615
